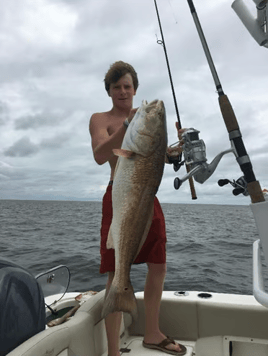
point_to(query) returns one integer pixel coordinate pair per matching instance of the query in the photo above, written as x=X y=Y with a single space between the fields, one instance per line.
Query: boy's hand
x=175 y=151
x=131 y=114
x=180 y=131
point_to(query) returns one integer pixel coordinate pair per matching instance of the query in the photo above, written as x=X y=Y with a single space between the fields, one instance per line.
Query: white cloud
x=34 y=25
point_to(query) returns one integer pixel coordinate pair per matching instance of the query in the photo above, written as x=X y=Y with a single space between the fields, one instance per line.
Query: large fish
x=137 y=177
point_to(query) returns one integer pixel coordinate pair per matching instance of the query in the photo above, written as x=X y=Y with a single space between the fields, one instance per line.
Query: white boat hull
x=206 y=326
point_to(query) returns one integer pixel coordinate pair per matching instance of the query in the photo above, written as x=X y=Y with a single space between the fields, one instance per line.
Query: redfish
x=138 y=174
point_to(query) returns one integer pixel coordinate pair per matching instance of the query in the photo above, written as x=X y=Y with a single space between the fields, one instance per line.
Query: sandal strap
x=166 y=342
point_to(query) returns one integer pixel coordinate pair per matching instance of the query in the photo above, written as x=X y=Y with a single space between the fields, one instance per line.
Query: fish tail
x=120 y=301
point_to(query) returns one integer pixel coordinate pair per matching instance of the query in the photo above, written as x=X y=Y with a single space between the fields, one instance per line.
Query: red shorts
x=154 y=247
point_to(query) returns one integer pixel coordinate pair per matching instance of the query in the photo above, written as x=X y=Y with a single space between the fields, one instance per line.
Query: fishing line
x=173 y=12
x=162 y=42
x=177 y=162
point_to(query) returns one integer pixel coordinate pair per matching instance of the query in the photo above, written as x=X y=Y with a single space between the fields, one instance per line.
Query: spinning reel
x=194 y=151
x=240 y=185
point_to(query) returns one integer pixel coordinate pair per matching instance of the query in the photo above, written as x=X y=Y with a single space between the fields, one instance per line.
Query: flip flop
x=162 y=347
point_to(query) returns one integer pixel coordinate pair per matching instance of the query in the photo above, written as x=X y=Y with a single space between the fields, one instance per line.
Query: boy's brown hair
x=118 y=70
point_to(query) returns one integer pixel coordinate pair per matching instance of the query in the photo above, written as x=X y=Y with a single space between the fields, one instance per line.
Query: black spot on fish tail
x=120 y=301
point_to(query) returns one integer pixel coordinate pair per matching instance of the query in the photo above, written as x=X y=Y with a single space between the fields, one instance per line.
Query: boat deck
x=133 y=346
x=212 y=346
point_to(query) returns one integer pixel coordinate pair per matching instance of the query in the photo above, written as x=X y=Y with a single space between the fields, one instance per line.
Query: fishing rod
x=238 y=148
x=259 y=204
x=176 y=162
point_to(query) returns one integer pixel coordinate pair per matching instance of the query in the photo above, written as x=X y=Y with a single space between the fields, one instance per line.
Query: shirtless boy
x=107 y=131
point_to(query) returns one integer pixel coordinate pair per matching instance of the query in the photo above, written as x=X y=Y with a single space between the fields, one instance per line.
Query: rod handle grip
x=191 y=184
x=255 y=192
x=228 y=113
x=231 y=123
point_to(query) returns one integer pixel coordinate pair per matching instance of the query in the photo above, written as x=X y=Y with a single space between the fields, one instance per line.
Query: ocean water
x=209 y=247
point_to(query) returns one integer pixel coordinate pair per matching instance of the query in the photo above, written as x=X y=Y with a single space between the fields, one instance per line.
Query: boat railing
x=260 y=212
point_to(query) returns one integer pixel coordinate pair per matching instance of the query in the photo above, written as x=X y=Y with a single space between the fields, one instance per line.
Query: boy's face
x=122 y=92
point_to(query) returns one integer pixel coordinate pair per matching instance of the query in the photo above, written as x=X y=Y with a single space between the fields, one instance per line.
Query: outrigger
x=208 y=324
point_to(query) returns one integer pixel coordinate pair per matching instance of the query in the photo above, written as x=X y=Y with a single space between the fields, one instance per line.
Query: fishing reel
x=194 y=150
x=176 y=161
x=240 y=185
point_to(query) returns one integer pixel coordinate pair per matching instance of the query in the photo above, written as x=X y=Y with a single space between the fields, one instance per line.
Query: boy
x=107 y=131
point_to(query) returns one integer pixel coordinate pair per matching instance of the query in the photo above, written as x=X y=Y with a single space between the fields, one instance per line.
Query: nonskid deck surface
x=134 y=344
x=240 y=347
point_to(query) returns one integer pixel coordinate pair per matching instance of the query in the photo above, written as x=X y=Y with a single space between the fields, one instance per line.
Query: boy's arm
x=102 y=143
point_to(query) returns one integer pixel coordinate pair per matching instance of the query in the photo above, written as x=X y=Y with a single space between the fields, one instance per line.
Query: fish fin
x=110 y=241
x=123 y=153
x=146 y=230
x=120 y=301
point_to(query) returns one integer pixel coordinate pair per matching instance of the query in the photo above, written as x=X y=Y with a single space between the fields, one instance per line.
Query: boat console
x=22 y=308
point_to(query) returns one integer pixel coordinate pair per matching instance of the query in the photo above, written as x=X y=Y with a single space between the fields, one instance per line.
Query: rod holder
x=257 y=27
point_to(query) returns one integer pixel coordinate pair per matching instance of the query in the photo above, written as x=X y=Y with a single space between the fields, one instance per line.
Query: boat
x=208 y=324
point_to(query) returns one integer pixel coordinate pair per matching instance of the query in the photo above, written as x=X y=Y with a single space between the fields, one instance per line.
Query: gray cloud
x=39 y=120
x=22 y=148
x=3 y=113
x=11 y=173
x=57 y=141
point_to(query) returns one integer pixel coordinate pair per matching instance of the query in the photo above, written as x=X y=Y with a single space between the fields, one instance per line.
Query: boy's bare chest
x=114 y=126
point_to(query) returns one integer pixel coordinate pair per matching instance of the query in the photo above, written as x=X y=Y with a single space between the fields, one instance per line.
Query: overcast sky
x=54 y=55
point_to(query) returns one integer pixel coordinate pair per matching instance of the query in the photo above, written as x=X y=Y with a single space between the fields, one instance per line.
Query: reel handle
x=238 y=191
x=222 y=182
x=177 y=183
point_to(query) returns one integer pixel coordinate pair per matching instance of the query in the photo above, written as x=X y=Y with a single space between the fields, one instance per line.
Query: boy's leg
x=152 y=300
x=112 y=323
